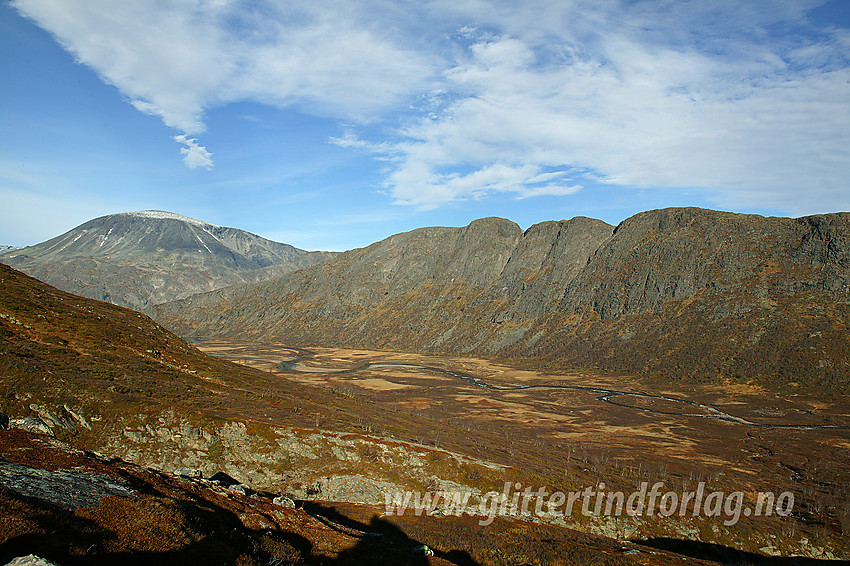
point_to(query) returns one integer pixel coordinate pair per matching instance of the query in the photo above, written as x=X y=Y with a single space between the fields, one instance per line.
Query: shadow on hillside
x=726 y=555
x=196 y=531
x=66 y=532
x=381 y=542
x=193 y=531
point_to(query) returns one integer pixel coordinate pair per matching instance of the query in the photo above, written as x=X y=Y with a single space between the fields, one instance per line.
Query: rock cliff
x=680 y=293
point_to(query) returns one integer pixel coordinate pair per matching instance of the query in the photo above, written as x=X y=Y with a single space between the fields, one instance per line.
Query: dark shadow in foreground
x=381 y=542
x=731 y=556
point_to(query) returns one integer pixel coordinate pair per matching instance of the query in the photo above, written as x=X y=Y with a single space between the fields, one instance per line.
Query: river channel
x=610 y=396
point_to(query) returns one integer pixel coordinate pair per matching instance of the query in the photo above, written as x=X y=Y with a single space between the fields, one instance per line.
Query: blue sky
x=331 y=125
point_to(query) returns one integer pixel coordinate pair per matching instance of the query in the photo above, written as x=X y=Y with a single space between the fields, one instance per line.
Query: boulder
x=77 y=416
x=30 y=560
x=422 y=550
x=31 y=424
x=50 y=418
x=284 y=501
x=223 y=479
x=188 y=473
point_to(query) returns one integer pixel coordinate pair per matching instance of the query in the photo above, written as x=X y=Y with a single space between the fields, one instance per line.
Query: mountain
x=126 y=444
x=6 y=249
x=136 y=259
x=679 y=293
x=115 y=385
x=110 y=380
x=425 y=289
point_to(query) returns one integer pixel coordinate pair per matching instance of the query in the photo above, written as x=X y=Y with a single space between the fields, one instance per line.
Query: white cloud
x=175 y=60
x=475 y=97
x=194 y=155
x=350 y=140
x=752 y=125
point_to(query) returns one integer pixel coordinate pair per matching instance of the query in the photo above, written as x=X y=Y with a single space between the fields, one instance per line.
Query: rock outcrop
x=170 y=520
x=65 y=489
x=31 y=560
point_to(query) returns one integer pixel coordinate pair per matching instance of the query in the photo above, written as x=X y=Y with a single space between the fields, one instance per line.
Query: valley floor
x=572 y=430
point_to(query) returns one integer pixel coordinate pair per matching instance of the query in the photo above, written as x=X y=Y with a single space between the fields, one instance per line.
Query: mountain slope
x=109 y=379
x=682 y=293
x=139 y=258
x=431 y=289
x=75 y=508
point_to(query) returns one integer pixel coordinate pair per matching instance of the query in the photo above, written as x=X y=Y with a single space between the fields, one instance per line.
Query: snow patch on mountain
x=203 y=244
x=163 y=215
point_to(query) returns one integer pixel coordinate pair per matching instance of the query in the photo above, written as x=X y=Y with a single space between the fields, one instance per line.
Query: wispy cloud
x=175 y=60
x=194 y=155
x=747 y=116
x=475 y=97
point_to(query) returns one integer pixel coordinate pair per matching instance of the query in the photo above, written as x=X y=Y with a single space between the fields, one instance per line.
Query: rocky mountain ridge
x=676 y=293
x=136 y=259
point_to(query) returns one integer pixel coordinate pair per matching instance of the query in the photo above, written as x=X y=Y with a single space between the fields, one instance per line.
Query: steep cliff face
x=684 y=293
x=665 y=255
x=139 y=258
x=824 y=244
x=546 y=259
x=702 y=295
x=433 y=289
